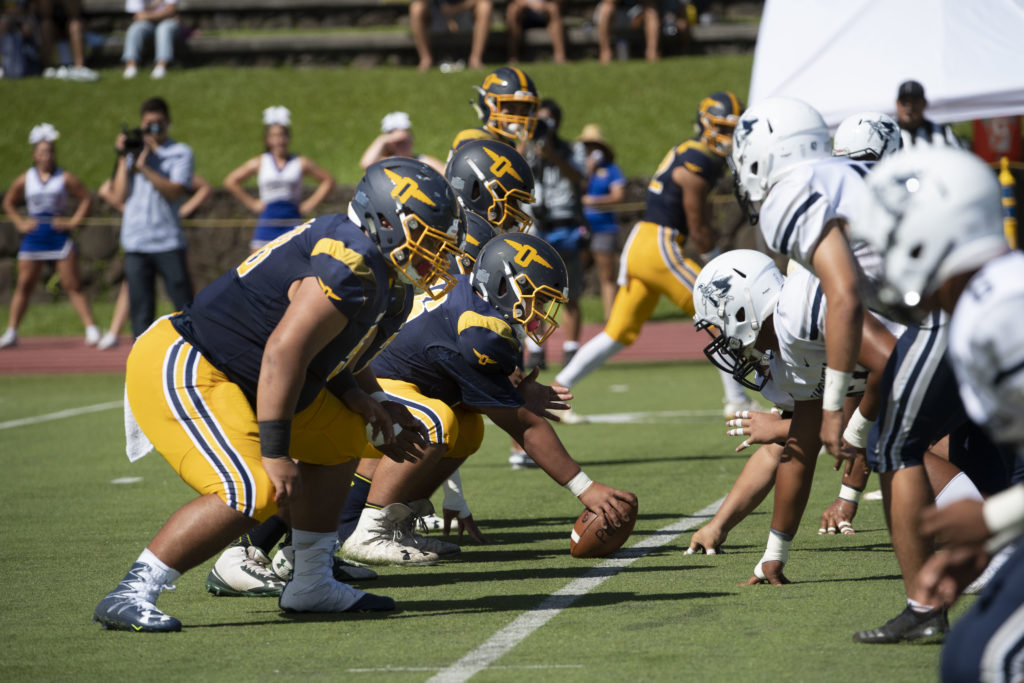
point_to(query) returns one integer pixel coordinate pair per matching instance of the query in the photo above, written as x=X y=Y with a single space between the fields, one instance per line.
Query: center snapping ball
x=593 y=536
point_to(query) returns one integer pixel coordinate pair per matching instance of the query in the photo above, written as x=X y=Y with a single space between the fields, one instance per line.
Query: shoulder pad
x=487 y=343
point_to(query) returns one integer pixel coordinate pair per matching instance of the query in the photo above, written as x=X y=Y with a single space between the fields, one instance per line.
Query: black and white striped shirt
x=929 y=133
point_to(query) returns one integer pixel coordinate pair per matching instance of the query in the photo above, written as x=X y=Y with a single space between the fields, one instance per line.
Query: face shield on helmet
x=411 y=213
x=507 y=104
x=771 y=138
x=494 y=181
x=525 y=279
x=931 y=213
x=717 y=115
x=478 y=233
x=868 y=136
x=733 y=297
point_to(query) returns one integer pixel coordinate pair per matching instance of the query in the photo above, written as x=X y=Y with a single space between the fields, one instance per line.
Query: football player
x=937 y=214
x=258 y=393
x=507 y=104
x=868 y=136
x=653 y=262
x=493 y=181
x=450 y=366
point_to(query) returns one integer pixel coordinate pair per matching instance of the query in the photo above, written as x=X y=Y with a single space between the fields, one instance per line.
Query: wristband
x=578 y=484
x=850 y=494
x=275 y=437
x=380 y=396
x=1004 y=516
x=836 y=385
x=856 y=433
x=776 y=550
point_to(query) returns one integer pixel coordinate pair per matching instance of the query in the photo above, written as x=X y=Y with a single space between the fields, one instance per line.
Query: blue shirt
x=601 y=183
x=150 y=223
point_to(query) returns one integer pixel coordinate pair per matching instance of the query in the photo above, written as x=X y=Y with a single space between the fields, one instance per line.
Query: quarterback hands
x=758 y=427
x=708 y=539
x=615 y=505
x=284 y=475
x=463 y=524
x=541 y=399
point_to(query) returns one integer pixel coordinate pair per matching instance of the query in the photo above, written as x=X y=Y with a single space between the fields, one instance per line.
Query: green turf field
x=70 y=534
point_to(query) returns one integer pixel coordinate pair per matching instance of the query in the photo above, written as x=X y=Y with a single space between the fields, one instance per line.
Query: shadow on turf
x=489 y=575
x=518 y=603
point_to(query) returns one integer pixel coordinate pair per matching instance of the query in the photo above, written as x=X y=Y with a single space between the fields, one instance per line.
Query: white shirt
x=45 y=198
x=986 y=348
x=280 y=184
x=133 y=6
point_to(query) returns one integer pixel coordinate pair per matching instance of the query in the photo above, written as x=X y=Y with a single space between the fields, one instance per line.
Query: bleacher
x=367 y=32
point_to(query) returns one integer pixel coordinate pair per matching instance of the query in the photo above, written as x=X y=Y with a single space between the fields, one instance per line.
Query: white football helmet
x=770 y=138
x=734 y=294
x=867 y=136
x=932 y=213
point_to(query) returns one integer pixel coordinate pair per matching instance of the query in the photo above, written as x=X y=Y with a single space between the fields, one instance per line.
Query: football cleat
x=129 y=607
x=244 y=571
x=519 y=460
x=284 y=563
x=9 y=338
x=908 y=625
x=421 y=508
x=380 y=538
x=428 y=523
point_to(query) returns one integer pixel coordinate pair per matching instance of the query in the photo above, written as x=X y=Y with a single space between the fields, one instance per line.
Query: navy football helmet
x=717 y=115
x=412 y=214
x=494 y=181
x=479 y=232
x=523 y=277
x=507 y=104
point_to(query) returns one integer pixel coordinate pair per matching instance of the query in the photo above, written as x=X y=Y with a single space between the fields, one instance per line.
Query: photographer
x=560 y=176
x=152 y=178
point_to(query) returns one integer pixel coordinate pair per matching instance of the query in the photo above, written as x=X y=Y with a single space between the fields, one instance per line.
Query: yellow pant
x=205 y=428
x=458 y=428
x=653 y=264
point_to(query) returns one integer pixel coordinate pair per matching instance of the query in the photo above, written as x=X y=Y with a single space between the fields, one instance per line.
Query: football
x=592 y=536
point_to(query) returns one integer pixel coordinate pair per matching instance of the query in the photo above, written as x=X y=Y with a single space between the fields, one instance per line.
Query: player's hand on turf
x=838 y=517
x=960 y=523
x=615 y=505
x=832 y=432
x=541 y=399
x=946 y=573
x=708 y=539
x=756 y=426
x=462 y=524
x=284 y=475
x=772 y=574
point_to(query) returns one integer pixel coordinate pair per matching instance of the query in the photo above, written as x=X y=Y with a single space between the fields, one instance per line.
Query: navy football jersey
x=665 y=197
x=231 y=319
x=457 y=349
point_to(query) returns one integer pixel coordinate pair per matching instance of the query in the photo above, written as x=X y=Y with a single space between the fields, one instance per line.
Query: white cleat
x=314 y=589
x=284 y=563
x=108 y=341
x=244 y=572
x=9 y=338
x=429 y=524
x=380 y=538
x=92 y=335
x=421 y=508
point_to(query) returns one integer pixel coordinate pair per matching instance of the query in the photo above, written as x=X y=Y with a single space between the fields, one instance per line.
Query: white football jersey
x=799 y=366
x=45 y=198
x=280 y=184
x=986 y=348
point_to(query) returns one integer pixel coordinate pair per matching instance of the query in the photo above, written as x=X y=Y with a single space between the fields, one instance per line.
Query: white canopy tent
x=850 y=56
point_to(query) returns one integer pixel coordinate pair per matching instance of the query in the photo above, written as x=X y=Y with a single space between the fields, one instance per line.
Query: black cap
x=910 y=89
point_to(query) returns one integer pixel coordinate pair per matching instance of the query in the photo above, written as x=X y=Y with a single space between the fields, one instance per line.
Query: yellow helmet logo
x=501 y=165
x=406 y=189
x=526 y=254
x=492 y=79
x=484 y=359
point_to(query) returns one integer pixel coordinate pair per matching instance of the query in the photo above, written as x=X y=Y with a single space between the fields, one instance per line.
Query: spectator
x=915 y=129
x=524 y=14
x=152 y=178
x=19 y=51
x=149 y=17
x=419 y=21
x=203 y=190
x=558 y=171
x=395 y=140
x=671 y=17
x=72 y=13
x=45 y=188
x=606 y=185
x=279 y=174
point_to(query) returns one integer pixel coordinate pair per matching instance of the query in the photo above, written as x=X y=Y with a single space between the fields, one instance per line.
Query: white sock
x=313 y=551
x=959 y=488
x=159 y=570
x=570 y=346
x=918 y=607
x=733 y=390
x=590 y=356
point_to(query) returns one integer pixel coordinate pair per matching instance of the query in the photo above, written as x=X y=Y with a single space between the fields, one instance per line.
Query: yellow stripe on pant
x=204 y=426
x=655 y=266
x=461 y=430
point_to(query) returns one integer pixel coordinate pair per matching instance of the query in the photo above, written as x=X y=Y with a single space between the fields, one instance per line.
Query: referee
x=915 y=129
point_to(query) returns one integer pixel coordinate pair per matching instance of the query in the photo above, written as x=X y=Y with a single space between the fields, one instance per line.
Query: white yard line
x=61 y=414
x=513 y=634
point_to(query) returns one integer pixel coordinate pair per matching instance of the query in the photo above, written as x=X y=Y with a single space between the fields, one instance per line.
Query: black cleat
x=908 y=625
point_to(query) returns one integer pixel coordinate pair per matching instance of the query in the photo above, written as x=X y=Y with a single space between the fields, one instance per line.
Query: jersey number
x=257 y=256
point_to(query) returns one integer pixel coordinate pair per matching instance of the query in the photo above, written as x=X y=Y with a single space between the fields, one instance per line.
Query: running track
x=659 y=341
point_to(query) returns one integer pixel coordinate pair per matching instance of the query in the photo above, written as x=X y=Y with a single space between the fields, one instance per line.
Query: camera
x=544 y=129
x=133 y=143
